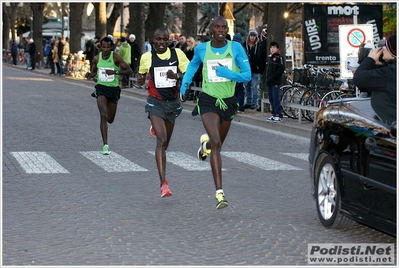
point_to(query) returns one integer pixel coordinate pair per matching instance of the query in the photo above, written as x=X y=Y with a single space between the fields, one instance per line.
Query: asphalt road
x=66 y=204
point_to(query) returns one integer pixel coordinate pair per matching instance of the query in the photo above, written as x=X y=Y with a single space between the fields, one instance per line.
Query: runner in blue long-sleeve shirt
x=224 y=64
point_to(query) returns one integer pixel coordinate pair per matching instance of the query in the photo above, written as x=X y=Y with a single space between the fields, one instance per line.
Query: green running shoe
x=106 y=149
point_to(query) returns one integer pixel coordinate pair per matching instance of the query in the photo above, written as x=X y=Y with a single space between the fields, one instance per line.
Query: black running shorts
x=113 y=94
x=168 y=110
x=207 y=104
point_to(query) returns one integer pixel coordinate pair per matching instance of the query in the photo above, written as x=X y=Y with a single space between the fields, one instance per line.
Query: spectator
x=96 y=40
x=135 y=53
x=381 y=80
x=164 y=67
x=89 y=50
x=56 y=56
x=50 y=57
x=117 y=45
x=251 y=47
x=125 y=52
x=197 y=77
x=172 y=42
x=60 y=49
x=225 y=63
x=275 y=68
x=47 y=52
x=182 y=43
x=262 y=55
x=27 y=55
x=14 y=52
x=147 y=45
x=32 y=52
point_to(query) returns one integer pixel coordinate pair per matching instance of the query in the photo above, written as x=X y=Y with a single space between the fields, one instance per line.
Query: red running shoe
x=165 y=191
x=152 y=132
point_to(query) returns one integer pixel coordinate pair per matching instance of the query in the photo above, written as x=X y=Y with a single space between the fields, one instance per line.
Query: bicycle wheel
x=286 y=97
x=184 y=97
x=295 y=98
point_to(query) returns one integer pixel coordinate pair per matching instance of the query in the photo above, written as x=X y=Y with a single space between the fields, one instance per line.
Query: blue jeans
x=61 y=62
x=28 y=62
x=252 y=89
x=240 y=94
x=274 y=98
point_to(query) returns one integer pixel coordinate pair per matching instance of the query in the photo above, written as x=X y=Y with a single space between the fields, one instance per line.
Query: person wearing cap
x=135 y=53
x=275 y=68
x=32 y=52
x=251 y=46
x=380 y=79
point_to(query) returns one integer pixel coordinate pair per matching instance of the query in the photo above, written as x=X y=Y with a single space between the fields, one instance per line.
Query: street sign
x=351 y=36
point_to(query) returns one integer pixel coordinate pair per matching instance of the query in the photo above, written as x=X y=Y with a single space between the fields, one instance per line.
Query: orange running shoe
x=165 y=191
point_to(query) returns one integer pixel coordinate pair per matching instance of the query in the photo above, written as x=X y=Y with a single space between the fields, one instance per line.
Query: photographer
x=380 y=79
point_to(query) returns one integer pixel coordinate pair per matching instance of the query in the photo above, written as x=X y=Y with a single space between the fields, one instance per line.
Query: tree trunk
x=13 y=11
x=75 y=26
x=37 y=9
x=276 y=25
x=6 y=28
x=101 y=19
x=155 y=18
x=136 y=23
x=190 y=21
x=115 y=14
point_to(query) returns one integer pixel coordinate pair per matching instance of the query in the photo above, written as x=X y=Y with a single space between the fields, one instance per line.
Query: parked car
x=352 y=160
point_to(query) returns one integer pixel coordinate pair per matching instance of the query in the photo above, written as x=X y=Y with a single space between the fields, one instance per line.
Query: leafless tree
x=136 y=23
x=189 y=25
x=75 y=29
x=101 y=18
x=37 y=11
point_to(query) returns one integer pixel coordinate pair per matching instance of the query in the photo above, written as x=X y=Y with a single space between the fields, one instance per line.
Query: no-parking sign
x=350 y=39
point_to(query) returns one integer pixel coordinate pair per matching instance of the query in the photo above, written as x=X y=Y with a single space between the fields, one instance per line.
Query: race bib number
x=212 y=64
x=160 y=78
x=104 y=77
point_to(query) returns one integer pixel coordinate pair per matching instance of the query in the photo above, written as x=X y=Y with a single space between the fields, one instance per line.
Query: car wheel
x=328 y=197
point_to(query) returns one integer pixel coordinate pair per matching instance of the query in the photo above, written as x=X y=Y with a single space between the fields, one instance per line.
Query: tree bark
x=136 y=23
x=6 y=27
x=115 y=14
x=37 y=9
x=155 y=18
x=101 y=19
x=276 y=25
x=190 y=23
x=75 y=26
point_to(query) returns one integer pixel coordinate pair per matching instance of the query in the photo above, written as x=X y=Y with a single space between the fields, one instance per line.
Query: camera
x=364 y=51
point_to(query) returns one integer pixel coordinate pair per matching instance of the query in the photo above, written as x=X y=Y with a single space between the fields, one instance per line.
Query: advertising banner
x=321 y=29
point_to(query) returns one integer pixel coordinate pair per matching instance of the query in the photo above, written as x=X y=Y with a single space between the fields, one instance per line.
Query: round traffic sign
x=356 y=37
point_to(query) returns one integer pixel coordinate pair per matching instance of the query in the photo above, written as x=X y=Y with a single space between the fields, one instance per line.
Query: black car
x=352 y=160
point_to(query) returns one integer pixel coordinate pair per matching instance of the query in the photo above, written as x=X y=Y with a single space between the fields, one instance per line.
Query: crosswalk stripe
x=38 y=162
x=185 y=161
x=112 y=162
x=259 y=161
x=298 y=155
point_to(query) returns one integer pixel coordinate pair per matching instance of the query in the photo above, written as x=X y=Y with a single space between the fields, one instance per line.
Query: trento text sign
x=321 y=29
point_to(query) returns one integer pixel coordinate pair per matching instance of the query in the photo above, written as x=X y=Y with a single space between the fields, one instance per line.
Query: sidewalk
x=252 y=117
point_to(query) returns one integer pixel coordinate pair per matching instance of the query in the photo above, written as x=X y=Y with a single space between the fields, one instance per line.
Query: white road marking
x=298 y=155
x=185 y=161
x=38 y=162
x=259 y=161
x=112 y=162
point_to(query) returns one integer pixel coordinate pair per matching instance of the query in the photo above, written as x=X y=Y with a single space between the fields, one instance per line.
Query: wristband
x=117 y=72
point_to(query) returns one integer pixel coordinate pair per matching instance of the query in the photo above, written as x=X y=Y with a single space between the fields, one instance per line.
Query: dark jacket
x=90 y=50
x=252 y=53
x=275 y=68
x=14 y=49
x=262 y=55
x=136 y=51
x=381 y=82
x=32 y=49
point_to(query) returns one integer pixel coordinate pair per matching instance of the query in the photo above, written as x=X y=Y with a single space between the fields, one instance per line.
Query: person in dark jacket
x=89 y=50
x=275 y=68
x=135 y=53
x=251 y=46
x=32 y=52
x=380 y=79
x=14 y=52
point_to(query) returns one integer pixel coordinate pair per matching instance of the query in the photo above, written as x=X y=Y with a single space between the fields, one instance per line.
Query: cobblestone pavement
x=76 y=211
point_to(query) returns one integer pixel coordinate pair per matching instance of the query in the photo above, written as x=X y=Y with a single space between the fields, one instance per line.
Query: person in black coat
x=14 y=52
x=89 y=50
x=32 y=52
x=380 y=79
